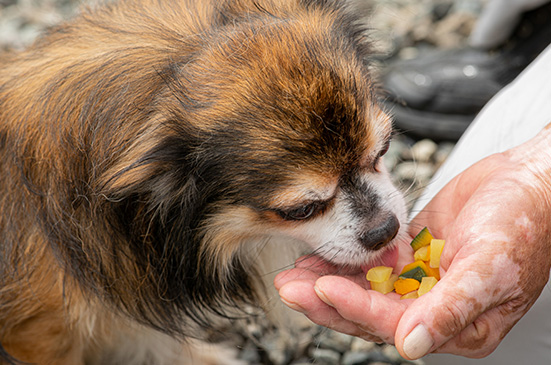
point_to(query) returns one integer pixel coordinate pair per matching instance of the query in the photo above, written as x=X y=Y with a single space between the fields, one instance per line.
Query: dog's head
x=291 y=141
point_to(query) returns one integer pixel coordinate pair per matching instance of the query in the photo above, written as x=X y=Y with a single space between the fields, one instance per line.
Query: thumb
x=443 y=313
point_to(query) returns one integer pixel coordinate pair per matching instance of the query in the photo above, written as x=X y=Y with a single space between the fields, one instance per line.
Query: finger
x=300 y=296
x=287 y=276
x=319 y=267
x=481 y=338
x=364 y=308
x=445 y=312
x=314 y=263
x=472 y=342
x=324 y=267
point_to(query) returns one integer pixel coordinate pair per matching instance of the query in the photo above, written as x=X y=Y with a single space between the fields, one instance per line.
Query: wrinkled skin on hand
x=496 y=220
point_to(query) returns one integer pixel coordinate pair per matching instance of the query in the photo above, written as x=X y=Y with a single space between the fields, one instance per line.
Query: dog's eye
x=300 y=213
x=385 y=149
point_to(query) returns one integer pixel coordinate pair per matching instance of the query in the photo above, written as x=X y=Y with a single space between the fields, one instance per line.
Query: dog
x=161 y=160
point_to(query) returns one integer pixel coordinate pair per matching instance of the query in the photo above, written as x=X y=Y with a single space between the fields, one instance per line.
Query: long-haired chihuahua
x=162 y=158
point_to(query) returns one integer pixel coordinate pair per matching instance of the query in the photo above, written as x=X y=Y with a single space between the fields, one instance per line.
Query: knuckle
x=475 y=337
x=451 y=317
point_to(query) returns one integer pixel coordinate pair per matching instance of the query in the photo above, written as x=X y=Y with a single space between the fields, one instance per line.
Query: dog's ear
x=157 y=197
x=158 y=167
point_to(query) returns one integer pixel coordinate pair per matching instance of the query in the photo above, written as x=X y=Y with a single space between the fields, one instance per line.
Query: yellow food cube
x=386 y=286
x=426 y=285
x=410 y=295
x=436 y=247
x=422 y=254
x=403 y=286
x=379 y=274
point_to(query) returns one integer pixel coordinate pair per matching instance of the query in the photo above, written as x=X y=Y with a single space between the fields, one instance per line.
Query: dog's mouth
x=388 y=256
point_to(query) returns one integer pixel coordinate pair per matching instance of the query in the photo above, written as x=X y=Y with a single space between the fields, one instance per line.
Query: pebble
x=359 y=345
x=325 y=356
x=249 y=353
x=276 y=348
x=411 y=171
x=424 y=150
x=355 y=358
x=392 y=353
x=335 y=341
x=413 y=163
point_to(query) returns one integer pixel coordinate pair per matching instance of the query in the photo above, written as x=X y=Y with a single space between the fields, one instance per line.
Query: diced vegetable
x=416 y=270
x=416 y=278
x=413 y=265
x=433 y=272
x=422 y=254
x=410 y=295
x=386 y=286
x=416 y=273
x=403 y=286
x=426 y=285
x=378 y=274
x=423 y=238
x=436 y=247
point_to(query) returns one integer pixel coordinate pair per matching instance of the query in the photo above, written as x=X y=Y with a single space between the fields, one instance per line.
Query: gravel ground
x=401 y=27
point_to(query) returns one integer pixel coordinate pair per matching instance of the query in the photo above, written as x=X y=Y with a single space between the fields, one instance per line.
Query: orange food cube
x=403 y=286
x=433 y=271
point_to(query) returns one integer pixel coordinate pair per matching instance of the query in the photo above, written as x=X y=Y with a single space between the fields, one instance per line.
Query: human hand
x=496 y=219
x=333 y=298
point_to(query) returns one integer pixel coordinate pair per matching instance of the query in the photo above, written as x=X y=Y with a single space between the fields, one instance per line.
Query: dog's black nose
x=376 y=238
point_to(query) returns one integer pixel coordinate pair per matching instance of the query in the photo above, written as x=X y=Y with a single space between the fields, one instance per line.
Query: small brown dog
x=157 y=156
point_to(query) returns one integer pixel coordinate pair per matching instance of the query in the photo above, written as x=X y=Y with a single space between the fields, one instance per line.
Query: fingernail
x=322 y=296
x=418 y=343
x=292 y=305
